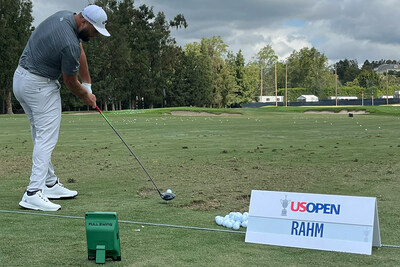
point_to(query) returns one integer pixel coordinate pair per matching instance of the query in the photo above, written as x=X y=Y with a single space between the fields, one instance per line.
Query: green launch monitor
x=102 y=236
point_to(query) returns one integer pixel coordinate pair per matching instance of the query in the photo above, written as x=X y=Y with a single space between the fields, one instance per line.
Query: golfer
x=53 y=49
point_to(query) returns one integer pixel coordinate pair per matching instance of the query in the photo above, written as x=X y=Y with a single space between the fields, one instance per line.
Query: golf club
x=165 y=196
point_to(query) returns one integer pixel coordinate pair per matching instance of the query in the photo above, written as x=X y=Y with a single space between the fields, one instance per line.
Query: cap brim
x=102 y=31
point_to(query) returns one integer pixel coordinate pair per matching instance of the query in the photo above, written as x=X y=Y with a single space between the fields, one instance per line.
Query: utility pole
x=362 y=98
x=372 y=93
x=336 y=83
x=276 y=86
x=261 y=87
x=286 y=86
x=387 y=86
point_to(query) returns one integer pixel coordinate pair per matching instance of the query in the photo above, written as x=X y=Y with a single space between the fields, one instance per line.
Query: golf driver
x=167 y=195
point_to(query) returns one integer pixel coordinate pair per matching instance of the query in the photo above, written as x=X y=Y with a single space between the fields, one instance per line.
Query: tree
x=213 y=81
x=238 y=95
x=266 y=59
x=15 y=29
x=251 y=81
x=221 y=77
x=177 y=94
x=137 y=62
x=227 y=85
x=367 y=66
x=246 y=79
x=308 y=68
x=163 y=54
x=347 y=70
x=198 y=76
x=370 y=81
x=281 y=74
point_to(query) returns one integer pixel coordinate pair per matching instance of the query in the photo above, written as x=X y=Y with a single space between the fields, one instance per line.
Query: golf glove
x=87 y=86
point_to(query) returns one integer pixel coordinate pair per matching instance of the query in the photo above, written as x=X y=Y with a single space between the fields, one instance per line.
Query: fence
x=353 y=102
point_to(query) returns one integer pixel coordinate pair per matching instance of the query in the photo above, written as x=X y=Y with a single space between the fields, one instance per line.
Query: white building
x=270 y=99
x=387 y=67
x=307 y=98
x=343 y=98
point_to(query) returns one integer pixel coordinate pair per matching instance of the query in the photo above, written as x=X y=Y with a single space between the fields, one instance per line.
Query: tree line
x=141 y=65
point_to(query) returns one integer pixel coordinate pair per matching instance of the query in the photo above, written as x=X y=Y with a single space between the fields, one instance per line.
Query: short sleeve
x=70 y=60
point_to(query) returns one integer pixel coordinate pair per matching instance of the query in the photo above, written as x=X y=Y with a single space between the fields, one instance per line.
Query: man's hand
x=90 y=100
x=72 y=83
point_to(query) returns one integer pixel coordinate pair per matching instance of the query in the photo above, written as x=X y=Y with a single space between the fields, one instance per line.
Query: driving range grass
x=211 y=163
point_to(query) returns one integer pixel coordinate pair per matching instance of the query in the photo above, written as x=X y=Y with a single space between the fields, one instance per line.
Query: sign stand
x=314 y=221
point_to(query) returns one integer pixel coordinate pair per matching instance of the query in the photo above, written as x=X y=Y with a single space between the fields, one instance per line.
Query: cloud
x=353 y=29
x=43 y=8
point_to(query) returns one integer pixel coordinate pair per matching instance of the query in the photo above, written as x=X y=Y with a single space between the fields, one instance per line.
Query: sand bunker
x=343 y=111
x=201 y=114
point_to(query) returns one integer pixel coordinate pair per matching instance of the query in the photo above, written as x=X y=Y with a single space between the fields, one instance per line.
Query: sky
x=353 y=29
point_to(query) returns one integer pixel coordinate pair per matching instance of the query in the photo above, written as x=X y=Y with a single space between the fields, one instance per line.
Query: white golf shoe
x=38 y=201
x=58 y=191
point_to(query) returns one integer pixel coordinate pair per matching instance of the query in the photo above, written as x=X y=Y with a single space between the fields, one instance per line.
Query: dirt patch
x=343 y=111
x=203 y=205
x=145 y=193
x=200 y=114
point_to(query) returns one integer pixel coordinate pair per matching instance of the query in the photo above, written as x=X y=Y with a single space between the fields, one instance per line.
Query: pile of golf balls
x=233 y=220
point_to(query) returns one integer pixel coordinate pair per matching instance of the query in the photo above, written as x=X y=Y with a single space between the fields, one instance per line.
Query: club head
x=168 y=196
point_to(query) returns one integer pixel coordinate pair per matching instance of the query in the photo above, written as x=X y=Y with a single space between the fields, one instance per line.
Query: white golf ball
x=231 y=215
x=169 y=191
x=244 y=224
x=233 y=218
x=229 y=224
x=219 y=220
x=238 y=216
x=236 y=225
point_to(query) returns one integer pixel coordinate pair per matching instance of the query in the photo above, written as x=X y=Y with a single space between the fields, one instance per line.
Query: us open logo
x=309 y=207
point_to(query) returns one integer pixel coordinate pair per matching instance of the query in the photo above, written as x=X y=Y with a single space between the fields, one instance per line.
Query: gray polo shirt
x=53 y=47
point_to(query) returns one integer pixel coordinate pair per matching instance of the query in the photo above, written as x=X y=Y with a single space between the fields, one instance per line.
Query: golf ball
x=169 y=191
x=233 y=220
x=237 y=216
x=219 y=220
x=236 y=225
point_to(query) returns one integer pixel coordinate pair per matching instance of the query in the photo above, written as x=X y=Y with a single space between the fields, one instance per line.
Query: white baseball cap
x=97 y=17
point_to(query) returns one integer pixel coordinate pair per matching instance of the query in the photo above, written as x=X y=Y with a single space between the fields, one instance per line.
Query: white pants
x=41 y=101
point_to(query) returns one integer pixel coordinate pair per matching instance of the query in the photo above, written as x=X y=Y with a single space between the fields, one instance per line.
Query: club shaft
x=130 y=150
